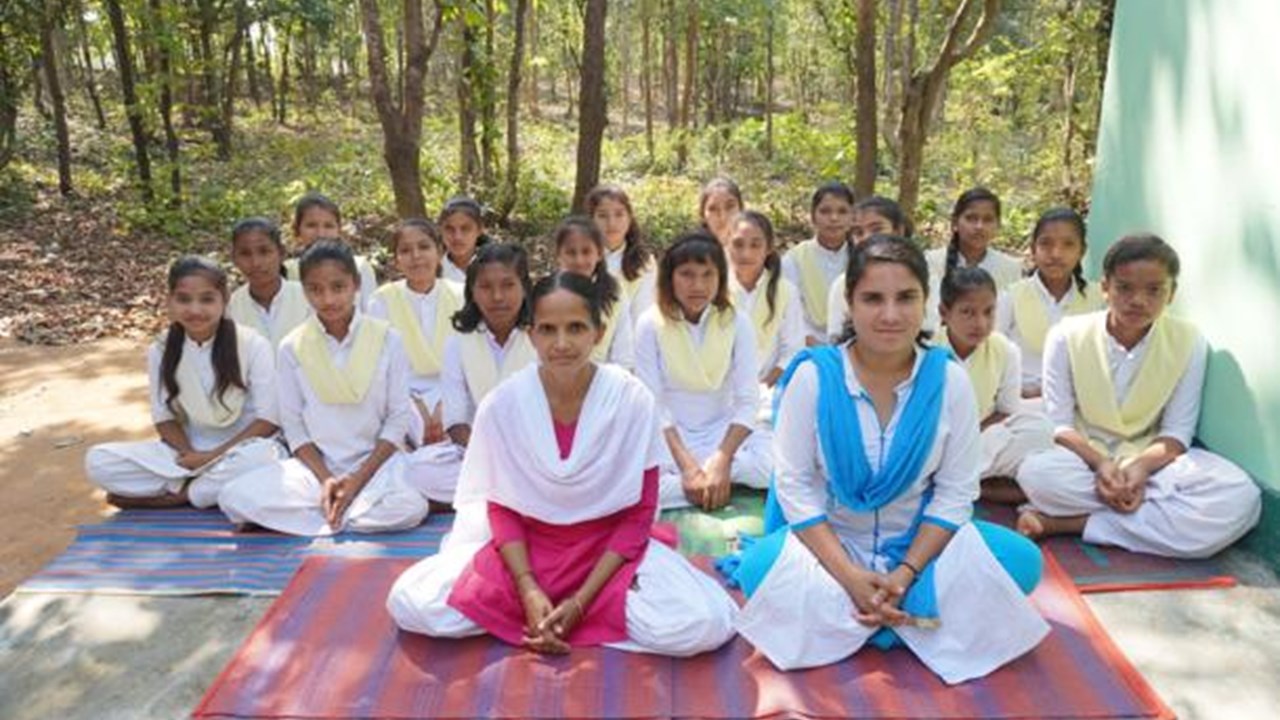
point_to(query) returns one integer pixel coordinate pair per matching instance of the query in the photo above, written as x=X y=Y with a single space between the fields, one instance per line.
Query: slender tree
x=133 y=109
x=513 y=109
x=592 y=112
x=51 y=64
x=402 y=121
x=864 y=176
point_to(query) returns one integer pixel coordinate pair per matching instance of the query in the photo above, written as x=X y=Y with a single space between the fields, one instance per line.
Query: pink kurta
x=561 y=557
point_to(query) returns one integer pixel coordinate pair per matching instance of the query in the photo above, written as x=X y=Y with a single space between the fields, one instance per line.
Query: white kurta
x=832 y=263
x=1007 y=443
x=671 y=609
x=149 y=468
x=1007 y=324
x=801 y=617
x=646 y=290
x=622 y=345
x=452 y=272
x=425 y=388
x=703 y=418
x=286 y=496
x=1194 y=507
x=288 y=310
x=837 y=308
x=1004 y=269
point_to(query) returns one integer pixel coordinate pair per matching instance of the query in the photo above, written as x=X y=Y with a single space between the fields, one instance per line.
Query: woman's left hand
x=193 y=459
x=564 y=618
x=718 y=482
x=890 y=589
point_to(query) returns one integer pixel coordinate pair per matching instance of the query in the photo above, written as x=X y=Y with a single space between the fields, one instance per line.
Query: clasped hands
x=1121 y=484
x=546 y=625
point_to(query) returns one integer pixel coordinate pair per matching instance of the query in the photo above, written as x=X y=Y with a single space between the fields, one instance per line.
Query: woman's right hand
x=537 y=606
x=875 y=598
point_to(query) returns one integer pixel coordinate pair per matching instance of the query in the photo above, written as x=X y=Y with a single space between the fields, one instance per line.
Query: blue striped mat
x=198 y=552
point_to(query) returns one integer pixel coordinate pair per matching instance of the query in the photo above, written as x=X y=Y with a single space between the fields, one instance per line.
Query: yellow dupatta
x=294 y=310
x=693 y=368
x=814 y=286
x=1032 y=317
x=335 y=386
x=601 y=351
x=1167 y=357
x=766 y=327
x=426 y=356
x=204 y=408
x=986 y=366
x=481 y=369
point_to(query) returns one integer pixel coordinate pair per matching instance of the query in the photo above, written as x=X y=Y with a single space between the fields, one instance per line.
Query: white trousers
x=1006 y=444
x=752 y=464
x=150 y=469
x=1194 y=507
x=800 y=617
x=285 y=496
x=433 y=470
x=672 y=608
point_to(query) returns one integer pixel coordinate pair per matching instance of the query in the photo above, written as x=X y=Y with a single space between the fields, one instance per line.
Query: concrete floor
x=1211 y=654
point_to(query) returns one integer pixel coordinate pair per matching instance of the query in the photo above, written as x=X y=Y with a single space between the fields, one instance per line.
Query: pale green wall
x=1190 y=149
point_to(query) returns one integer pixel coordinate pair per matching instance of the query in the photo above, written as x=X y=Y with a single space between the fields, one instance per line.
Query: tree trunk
x=268 y=72
x=646 y=75
x=624 y=69
x=469 y=165
x=282 y=103
x=592 y=113
x=50 y=20
x=251 y=65
x=1102 y=51
x=690 y=75
x=401 y=123
x=864 y=177
x=1069 y=112
x=671 y=66
x=891 y=79
x=768 y=85
x=124 y=65
x=513 y=110
x=534 y=109
x=228 y=99
x=489 y=101
x=90 y=82
x=924 y=89
x=164 y=75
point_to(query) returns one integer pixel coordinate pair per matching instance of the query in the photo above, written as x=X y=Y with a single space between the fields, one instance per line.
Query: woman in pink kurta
x=552 y=545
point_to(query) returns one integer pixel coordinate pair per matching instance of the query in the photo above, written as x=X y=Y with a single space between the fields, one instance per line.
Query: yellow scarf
x=1168 y=354
x=814 y=285
x=293 y=311
x=205 y=409
x=766 y=328
x=601 y=351
x=986 y=366
x=1032 y=317
x=334 y=385
x=425 y=356
x=630 y=287
x=481 y=369
x=693 y=368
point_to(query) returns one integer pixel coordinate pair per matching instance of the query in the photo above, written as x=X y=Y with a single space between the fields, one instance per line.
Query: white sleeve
x=622 y=351
x=649 y=364
x=791 y=330
x=398 y=417
x=159 y=410
x=837 y=308
x=260 y=376
x=454 y=395
x=646 y=295
x=955 y=482
x=744 y=370
x=1009 y=394
x=791 y=271
x=292 y=401
x=801 y=489
x=1057 y=385
x=368 y=283
x=1004 y=314
x=1182 y=412
x=377 y=307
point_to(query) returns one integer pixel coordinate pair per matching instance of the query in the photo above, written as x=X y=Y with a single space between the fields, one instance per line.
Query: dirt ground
x=55 y=403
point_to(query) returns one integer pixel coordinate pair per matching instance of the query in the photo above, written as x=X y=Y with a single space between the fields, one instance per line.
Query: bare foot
x=435 y=506
x=167 y=500
x=1002 y=491
x=1037 y=525
x=1031 y=524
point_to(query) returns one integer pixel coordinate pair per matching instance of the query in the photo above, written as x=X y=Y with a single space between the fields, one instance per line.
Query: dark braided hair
x=226 y=358
x=509 y=254
x=635 y=254
x=772 y=260
x=607 y=290
x=1072 y=218
x=967 y=198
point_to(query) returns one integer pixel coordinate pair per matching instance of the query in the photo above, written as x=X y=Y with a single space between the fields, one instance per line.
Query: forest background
x=132 y=130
